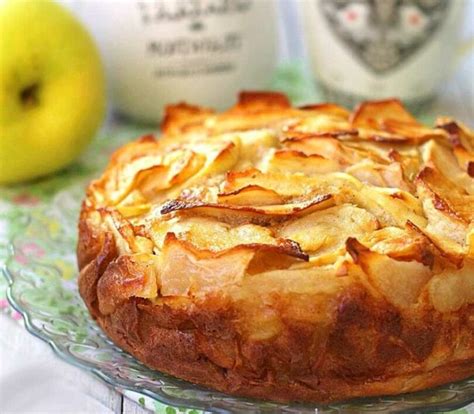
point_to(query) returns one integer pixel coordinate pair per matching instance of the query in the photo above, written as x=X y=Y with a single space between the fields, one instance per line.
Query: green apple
x=52 y=89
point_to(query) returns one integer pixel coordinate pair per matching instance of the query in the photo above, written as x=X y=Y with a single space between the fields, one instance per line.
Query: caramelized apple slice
x=392 y=207
x=380 y=175
x=214 y=235
x=150 y=175
x=324 y=119
x=253 y=145
x=254 y=110
x=462 y=141
x=122 y=180
x=134 y=204
x=251 y=195
x=439 y=157
x=465 y=159
x=324 y=233
x=446 y=248
x=285 y=185
x=129 y=275
x=179 y=117
x=292 y=161
x=447 y=208
x=447 y=194
x=409 y=160
x=332 y=149
x=328 y=120
x=236 y=214
x=126 y=239
x=221 y=156
x=453 y=288
x=291 y=184
x=400 y=244
x=401 y=282
x=387 y=120
x=187 y=270
x=209 y=234
x=373 y=114
x=182 y=166
x=458 y=133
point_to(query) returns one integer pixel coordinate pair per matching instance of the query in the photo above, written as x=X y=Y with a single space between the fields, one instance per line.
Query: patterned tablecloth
x=35 y=197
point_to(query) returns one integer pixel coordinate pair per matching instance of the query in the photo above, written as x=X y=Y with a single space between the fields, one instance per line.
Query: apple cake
x=290 y=254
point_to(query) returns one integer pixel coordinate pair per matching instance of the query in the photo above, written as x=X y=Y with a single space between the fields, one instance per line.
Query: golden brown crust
x=306 y=264
x=370 y=349
x=260 y=370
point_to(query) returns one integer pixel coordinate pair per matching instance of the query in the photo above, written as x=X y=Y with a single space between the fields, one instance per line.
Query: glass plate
x=41 y=274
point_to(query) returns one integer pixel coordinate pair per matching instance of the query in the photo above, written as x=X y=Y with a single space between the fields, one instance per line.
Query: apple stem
x=29 y=95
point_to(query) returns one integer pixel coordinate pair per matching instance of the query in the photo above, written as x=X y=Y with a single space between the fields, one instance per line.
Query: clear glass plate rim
x=114 y=382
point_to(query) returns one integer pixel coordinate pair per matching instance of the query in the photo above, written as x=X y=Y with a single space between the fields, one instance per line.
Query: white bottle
x=363 y=49
x=203 y=52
